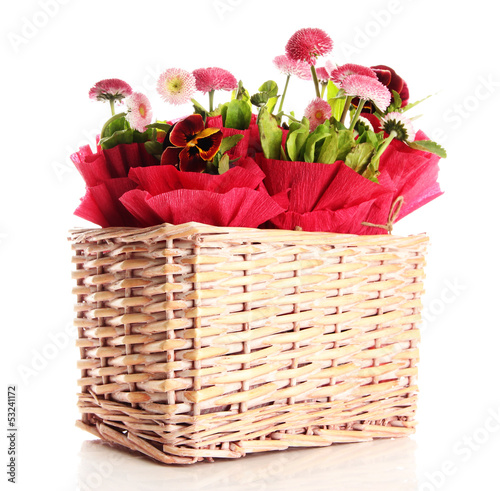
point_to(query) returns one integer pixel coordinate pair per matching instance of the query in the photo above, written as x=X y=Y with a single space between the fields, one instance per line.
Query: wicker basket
x=198 y=342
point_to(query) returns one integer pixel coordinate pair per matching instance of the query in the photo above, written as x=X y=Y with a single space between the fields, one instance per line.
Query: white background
x=49 y=62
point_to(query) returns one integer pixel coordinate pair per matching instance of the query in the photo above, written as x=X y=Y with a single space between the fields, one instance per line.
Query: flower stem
x=112 y=104
x=357 y=113
x=291 y=118
x=315 y=79
x=384 y=145
x=211 y=100
x=346 y=108
x=284 y=93
x=323 y=88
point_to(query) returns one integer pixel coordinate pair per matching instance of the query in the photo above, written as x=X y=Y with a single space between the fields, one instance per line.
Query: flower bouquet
x=241 y=295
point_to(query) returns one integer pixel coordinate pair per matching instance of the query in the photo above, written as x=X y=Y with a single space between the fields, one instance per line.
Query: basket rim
x=202 y=233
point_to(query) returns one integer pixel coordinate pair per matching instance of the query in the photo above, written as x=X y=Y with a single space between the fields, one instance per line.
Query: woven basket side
x=199 y=344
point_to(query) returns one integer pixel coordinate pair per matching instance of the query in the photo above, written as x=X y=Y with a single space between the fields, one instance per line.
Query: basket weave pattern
x=198 y=342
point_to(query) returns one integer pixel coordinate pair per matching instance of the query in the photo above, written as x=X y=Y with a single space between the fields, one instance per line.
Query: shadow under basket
x=200 y=342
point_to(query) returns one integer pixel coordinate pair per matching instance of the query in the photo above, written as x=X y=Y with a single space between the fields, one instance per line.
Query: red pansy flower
x=192 y=145
x=392 y=81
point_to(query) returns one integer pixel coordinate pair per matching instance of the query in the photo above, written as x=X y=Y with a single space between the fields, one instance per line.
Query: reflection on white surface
x=382 y=465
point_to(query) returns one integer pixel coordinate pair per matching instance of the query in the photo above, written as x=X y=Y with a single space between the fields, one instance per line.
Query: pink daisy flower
x=140 y=112
x=368 y=89
x=214 y=78
x=110 y=89
x=317 y=112
x=340 y=73
x=287 y=66
x=176 y=86
x=400 y=124
x=307 y=44
x=322 y=74
x=330 y=67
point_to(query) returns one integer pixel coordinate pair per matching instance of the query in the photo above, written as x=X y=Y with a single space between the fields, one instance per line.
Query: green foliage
x=236 y=114
x=296 y=139
x=270 y=134
x=229 y=142
x=428 y=146
x=160 y=125
x=117 y=131
x=395 y=104
x=223 y=164
x=267 y=96
x=359 y=158
x=117 y=122
x=413 y=104
x=199 y=109
x=313 y=143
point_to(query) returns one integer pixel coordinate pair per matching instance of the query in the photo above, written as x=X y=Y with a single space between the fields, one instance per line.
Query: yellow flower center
x=142 y=110
x=319 y=114
x=174 y=85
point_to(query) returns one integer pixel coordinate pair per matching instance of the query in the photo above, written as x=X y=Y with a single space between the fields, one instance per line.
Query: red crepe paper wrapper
x=240 y=207
x=248 y=146
x=101 y=204
x=236 y=198
x=241 y=148
x=108 y=164
x=323 y=197
x=413 y=174
x=162 y=179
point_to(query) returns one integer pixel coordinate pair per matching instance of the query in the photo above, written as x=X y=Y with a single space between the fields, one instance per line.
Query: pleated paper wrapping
x=322 y=197
x=127 y=187
x=105 y=174
x=250 y=144
x=413 y=174
x=108 y=164
x=233 y=199
x=101 y=204
x=334 y=198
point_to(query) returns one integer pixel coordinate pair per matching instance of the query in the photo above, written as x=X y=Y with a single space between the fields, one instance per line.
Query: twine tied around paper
x=393 y=215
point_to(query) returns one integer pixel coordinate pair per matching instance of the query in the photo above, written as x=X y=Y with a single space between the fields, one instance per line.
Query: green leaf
x=359 y=158
x=296 y=138
x=396 y=104
x=224 y=164
x=331 y=90
x=115 y=123
x=329 y=149
x=270 y=87
x=159 y=125
x=259 y=99
x=126 y=136
x=317 y=136
x=345 y=144
x=413 y=104
x=229 y=142
x=371 y=172
x=199 y=109
x=267 y=95
x=428 y=146
x=117 y=138
x=236 y=114
x=154 y=148
x=270 y=134
x=271 y=103
x=337 y=106
x=240 y=93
